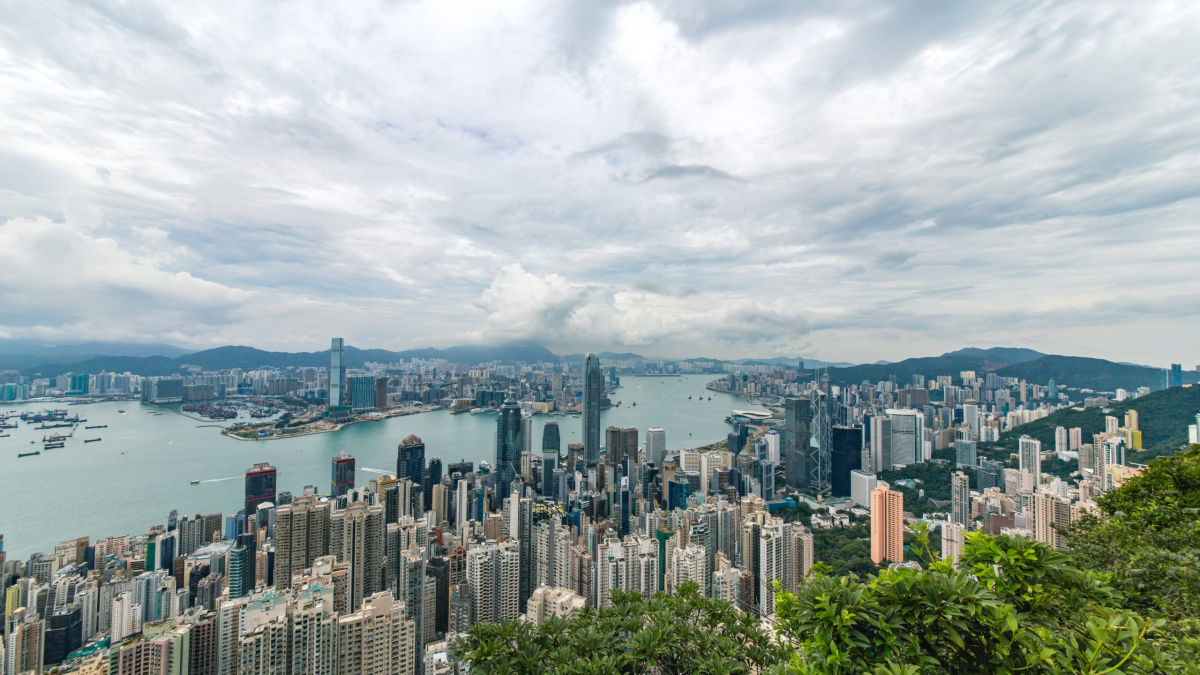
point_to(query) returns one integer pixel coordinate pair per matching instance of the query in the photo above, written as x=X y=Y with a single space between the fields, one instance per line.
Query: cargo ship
x=29 y=454
x=91 y=440
x=97 y=426
x=51 y=446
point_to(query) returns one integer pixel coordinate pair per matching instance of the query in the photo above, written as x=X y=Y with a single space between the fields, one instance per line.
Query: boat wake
x=370 y=470
x=218 y=480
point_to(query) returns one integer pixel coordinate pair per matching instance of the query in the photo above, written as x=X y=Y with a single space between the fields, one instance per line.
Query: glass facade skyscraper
x=593 y=391
x=260 y=487
x=337 y=372
x=509 y=444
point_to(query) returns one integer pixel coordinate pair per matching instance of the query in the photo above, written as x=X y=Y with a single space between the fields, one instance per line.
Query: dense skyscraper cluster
x=381 y=577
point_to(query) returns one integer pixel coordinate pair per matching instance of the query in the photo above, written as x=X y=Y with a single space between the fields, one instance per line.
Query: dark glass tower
x=343 y=474
x=509 y=444
x=593 y=391
x=550 y=450
x=550 y=438
x=795 y=441
x=241 y=566
x=260 y=487
x=846 y=456
x=433 y=476
x=410 y=460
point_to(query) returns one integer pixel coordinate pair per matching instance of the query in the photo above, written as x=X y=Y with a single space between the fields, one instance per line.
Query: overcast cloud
x=850 y=180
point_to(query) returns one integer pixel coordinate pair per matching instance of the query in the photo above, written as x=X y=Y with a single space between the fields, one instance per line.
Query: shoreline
x=337 y=427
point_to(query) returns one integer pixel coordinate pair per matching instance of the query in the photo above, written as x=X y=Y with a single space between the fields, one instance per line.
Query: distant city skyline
x=848 y=182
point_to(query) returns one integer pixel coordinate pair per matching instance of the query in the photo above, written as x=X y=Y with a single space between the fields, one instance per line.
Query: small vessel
x=91 y=440
x=121 y=411
x=634 y=405
x=689 y=397
x=29 y=454
x=195 y=481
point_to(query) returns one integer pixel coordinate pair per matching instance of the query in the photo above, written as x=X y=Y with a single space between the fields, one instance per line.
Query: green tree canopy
x=664 y=635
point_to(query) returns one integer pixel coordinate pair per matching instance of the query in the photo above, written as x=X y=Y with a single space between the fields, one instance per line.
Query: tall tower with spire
x=593 y=391
x=509 y=444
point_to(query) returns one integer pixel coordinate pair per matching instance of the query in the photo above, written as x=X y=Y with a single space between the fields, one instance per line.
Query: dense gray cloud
x=855 y=180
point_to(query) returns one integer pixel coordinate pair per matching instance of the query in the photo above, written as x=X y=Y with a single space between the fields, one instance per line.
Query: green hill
x=1009 y=355
x=1085 y=373
x=1163 y=417
x=930 y=367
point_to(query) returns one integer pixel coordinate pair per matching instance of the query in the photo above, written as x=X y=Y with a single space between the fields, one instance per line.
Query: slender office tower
x=509 y=445
x=593 y=390
x=550 y=450
x=337 y=372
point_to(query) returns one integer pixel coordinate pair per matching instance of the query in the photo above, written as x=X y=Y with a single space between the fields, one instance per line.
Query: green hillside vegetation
x=903 y=371
x=846 y=550
x=1084 y=373
x=1067 y=371
x=934 y=480
x=1163 y=417
x=1124 y=601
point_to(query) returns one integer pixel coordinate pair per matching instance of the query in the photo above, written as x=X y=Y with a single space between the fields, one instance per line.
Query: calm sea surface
x=144 y=464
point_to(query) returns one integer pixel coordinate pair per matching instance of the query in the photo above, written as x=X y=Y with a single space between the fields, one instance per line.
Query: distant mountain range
x=159 y=359
x=21 y=354
x=248 y=358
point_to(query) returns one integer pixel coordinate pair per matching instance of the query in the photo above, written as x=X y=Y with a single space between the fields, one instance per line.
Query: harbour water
x=143 y=466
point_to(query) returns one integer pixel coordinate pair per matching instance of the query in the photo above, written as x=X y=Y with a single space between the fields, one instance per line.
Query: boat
x=91 y=440
x=121 y=411
x=689 y=397
x=5 y=435
x=196 y=481
x=28 y=454
x=476 y=411
x=97 y=426
x=51 y=446
x=634 y=405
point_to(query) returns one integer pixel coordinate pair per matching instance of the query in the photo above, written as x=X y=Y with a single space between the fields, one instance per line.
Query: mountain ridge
x=1027 y=364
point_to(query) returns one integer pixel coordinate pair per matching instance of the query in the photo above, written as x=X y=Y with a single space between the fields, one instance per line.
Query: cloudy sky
x=850 y=180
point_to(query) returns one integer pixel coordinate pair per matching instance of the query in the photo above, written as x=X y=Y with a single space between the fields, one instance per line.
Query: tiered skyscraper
x=510 y=442
x=593 y=391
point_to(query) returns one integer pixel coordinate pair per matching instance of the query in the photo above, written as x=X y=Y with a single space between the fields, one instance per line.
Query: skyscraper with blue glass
x=593 y=391
x=337 y=372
